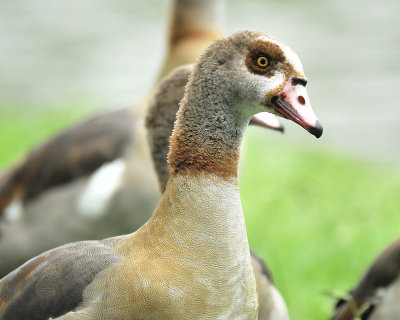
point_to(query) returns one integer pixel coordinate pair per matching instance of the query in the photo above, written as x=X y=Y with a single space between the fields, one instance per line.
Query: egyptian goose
x=89 y=170
x=191 y=259
x=376 y=296
x=160 y=118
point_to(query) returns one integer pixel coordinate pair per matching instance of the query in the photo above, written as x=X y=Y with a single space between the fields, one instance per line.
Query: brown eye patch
x=263 y=56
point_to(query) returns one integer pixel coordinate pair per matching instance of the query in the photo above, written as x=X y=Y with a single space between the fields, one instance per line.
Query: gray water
x=107 y=53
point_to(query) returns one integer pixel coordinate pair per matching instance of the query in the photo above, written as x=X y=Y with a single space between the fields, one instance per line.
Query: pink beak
x=292 y=102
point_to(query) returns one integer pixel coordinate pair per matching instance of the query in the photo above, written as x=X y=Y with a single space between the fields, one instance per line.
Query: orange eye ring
x=262 y=61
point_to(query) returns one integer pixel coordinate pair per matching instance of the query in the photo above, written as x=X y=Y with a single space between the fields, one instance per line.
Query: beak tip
x=317 y=130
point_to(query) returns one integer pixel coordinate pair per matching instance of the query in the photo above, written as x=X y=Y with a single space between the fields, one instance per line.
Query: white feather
x=14 y=211
x=99 y=191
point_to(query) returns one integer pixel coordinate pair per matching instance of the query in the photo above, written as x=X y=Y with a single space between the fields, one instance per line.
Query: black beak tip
x=317 y=130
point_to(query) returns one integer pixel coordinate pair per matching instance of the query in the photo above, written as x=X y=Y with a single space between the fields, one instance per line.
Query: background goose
x=376 y=295
x=191 y=259
x=75 y=178
x=160 y=118
x=93 y=168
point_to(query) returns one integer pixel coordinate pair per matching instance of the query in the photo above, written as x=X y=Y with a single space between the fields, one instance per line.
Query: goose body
x=191 y=260
x=160 y=118
x=376 y=295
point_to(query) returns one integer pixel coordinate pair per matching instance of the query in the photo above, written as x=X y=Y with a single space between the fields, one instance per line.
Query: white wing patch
x=14 y=211
x=99 y=191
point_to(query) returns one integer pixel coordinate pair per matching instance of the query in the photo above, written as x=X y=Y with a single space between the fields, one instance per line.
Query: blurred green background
x=317 y=210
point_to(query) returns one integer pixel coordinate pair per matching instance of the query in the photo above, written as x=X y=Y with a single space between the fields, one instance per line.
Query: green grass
x=21 y=128
x=318 y=218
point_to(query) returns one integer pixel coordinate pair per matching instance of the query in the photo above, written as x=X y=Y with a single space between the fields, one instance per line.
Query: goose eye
x=262 y=61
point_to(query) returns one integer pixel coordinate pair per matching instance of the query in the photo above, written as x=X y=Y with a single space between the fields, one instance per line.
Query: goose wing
x=71 y=154
x=52 y=283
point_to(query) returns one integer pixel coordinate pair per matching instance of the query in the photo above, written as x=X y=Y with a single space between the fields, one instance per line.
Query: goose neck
x=196 y=19
x=202 y=217
x=207 y=136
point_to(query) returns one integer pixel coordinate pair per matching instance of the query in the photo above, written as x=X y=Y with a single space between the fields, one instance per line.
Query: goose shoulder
x=52 y=283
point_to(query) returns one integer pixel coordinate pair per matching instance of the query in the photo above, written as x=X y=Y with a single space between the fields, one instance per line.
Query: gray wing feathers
x=52 y=284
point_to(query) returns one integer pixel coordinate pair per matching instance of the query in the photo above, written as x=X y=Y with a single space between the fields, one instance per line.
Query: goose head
x=161 y=115
x=255 y=72
x=233 y=79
